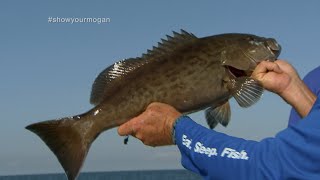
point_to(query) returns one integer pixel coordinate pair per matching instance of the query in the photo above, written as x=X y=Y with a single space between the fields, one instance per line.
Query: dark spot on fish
x=192 y=63
x=173 y=78
x=165 y=93
x=190 y=71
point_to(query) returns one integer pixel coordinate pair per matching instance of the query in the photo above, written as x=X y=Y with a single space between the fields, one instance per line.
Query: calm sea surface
x=122 y=175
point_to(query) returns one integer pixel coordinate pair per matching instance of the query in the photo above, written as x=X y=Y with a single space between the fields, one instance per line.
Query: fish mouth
x=238 y=72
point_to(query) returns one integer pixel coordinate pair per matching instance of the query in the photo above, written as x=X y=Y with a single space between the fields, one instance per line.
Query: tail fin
x=69 y=139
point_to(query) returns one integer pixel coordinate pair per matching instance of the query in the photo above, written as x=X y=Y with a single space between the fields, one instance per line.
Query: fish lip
x=275 y=53
x=274 y=47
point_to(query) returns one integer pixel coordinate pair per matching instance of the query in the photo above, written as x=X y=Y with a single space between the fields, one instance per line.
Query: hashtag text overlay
x=72 y=20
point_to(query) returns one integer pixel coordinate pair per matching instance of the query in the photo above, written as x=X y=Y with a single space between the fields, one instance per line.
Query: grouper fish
x=184 y=71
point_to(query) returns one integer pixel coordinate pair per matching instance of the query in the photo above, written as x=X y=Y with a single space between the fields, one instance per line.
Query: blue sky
x=47 y=69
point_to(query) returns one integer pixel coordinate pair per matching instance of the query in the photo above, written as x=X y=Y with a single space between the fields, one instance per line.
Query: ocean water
x=121 y=175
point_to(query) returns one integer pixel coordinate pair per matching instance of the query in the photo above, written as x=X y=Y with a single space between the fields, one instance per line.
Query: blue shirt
x=293 y=153
x=312 y=80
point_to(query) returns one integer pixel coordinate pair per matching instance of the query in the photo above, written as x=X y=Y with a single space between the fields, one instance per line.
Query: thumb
x=126 y=128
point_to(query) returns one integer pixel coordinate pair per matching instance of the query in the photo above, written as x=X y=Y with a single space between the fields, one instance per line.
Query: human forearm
x=215 y=155
x=299 y=96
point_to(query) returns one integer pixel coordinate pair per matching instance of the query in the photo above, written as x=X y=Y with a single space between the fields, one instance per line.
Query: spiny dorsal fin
x=170 y=44
x=108 y=80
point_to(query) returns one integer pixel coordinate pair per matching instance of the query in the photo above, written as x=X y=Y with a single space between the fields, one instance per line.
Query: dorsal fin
x=111 y=76
x=110 y=79
x=170 y=44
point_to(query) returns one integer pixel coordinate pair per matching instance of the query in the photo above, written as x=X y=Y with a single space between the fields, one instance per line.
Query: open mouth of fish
x=238 y=73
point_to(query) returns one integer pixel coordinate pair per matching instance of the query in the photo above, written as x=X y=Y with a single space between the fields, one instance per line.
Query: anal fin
x=220 y=114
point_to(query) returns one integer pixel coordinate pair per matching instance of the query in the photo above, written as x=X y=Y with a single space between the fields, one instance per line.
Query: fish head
x=243 y=52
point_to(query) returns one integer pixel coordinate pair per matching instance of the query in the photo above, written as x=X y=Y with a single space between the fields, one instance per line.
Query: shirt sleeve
x=312 y=81
x=294 y=153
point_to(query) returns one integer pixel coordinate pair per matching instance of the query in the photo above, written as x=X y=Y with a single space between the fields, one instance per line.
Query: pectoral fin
x=245 y=90
x=220 y=114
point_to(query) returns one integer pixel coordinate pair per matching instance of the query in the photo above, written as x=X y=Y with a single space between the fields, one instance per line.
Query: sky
x=47 y=69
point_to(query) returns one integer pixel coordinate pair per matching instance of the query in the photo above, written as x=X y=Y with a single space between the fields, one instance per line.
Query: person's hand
x=154 y=126
x=276 y=76
x=281 y=78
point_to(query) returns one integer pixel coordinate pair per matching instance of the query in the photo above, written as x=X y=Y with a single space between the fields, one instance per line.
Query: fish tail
x=69 y=139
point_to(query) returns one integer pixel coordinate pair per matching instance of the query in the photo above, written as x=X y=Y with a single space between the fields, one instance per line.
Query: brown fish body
x=187 y=80
x=184 y=71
